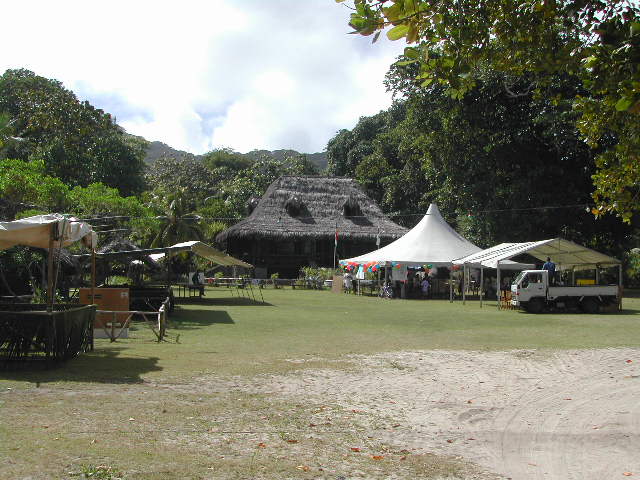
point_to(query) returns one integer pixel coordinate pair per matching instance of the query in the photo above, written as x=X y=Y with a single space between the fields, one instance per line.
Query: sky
x=200 y=75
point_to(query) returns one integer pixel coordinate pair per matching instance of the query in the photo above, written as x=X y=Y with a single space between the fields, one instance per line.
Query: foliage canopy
x=452 y=41
x=78 y=143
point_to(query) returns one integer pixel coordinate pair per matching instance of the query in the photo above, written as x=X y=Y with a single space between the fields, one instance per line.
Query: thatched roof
x=310 y=207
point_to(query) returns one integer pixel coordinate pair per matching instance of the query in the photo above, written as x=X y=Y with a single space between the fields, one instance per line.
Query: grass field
x=141 y=410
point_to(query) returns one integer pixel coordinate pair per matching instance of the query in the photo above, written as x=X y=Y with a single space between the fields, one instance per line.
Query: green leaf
x=624 y=104
x=411 y=53
x=590 y=62
x=397 y=32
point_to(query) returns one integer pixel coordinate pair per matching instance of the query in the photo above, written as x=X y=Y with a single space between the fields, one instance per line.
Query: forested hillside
x=156 y=150
x=502 y=167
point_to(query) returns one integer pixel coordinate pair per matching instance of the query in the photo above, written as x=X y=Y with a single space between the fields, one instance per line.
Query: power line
x=196 y=217
x=390 y=215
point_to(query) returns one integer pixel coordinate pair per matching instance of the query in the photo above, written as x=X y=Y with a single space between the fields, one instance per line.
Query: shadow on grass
x=577 y=311
x=228 y=301
x=103 y=365
x=191 y=319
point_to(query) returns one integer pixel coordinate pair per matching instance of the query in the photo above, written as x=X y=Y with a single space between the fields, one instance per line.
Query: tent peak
x=433 y=210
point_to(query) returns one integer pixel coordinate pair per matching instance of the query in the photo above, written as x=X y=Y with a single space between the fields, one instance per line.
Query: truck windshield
x=519 y=278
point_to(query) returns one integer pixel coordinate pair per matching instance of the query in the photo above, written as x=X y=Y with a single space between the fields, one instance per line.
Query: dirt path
x=521 y=414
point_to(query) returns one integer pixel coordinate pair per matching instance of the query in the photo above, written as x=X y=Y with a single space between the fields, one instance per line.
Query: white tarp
x=35 y=231
x=565 y=254
x=432 y=241
x=205 y=251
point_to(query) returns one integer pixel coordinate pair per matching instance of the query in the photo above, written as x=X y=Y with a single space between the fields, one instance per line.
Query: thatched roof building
x=298 y=217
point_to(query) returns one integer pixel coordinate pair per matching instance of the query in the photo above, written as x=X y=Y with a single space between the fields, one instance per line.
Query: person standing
x=425 y=286
x=550 y=267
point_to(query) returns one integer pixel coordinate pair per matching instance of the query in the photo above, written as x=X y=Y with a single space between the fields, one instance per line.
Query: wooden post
x=50 y=269
x=93 y=283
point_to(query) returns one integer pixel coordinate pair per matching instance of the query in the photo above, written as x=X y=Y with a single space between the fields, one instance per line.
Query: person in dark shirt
x=550 y=267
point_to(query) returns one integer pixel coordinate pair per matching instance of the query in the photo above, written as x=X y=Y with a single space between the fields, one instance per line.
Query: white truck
x=532 y=292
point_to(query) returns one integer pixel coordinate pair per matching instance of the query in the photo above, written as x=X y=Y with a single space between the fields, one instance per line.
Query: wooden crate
x=114 y=299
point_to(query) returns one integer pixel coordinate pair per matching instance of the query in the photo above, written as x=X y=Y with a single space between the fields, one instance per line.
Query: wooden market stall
x=51 y=332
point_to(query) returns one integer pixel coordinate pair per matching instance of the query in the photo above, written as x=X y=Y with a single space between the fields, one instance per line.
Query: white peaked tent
x=432 y=241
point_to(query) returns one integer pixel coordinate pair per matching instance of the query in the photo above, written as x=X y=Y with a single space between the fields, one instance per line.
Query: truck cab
x=529 y=285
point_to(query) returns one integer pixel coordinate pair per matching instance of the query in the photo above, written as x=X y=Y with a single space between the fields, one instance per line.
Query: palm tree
x=177 y=225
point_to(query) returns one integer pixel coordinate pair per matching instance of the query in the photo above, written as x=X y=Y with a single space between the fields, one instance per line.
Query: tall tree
x=177 y=223
x=494 y=163
x=452 y=40
x=78 y=143
x=190 y=176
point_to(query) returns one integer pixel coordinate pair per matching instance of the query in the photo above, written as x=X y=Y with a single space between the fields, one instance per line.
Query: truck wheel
x=535 y=305
x=589 y=305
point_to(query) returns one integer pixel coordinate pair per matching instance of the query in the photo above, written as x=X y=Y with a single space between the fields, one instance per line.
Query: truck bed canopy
x=566 y=254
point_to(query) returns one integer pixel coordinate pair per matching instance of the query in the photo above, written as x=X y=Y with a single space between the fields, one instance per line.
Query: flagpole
x=378 y=247
x=335 y=247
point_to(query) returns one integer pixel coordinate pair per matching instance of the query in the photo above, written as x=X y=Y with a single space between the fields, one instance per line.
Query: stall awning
x=35 y=231
x=564 y=253
x=205 y=251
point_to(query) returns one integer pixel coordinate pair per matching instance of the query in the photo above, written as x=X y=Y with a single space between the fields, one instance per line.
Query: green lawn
x=136 y=405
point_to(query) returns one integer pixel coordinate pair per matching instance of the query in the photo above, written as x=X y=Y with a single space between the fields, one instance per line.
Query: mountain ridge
x=157 y=149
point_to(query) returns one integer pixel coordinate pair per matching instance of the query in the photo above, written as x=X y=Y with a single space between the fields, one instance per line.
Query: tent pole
x=481 y=283
x=93 y=272
x=464 y=283
x=619 y=286
x=451 y=285
x=498 y=290
x=386 y=273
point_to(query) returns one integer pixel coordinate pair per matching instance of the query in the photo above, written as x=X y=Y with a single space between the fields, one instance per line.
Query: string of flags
x=373 y=267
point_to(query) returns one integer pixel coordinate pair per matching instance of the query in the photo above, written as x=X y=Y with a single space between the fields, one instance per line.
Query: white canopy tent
x=566 y=254
x=431 y=241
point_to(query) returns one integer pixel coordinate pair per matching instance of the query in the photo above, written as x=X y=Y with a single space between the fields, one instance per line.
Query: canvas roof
x=35 y=231
x=205 y=251
x=431 y=241
x=564 y=253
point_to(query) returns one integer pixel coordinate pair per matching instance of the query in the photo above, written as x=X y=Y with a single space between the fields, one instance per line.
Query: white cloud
x=204 y=74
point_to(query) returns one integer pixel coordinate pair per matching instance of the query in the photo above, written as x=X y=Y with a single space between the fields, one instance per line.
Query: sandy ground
x=519 y=414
